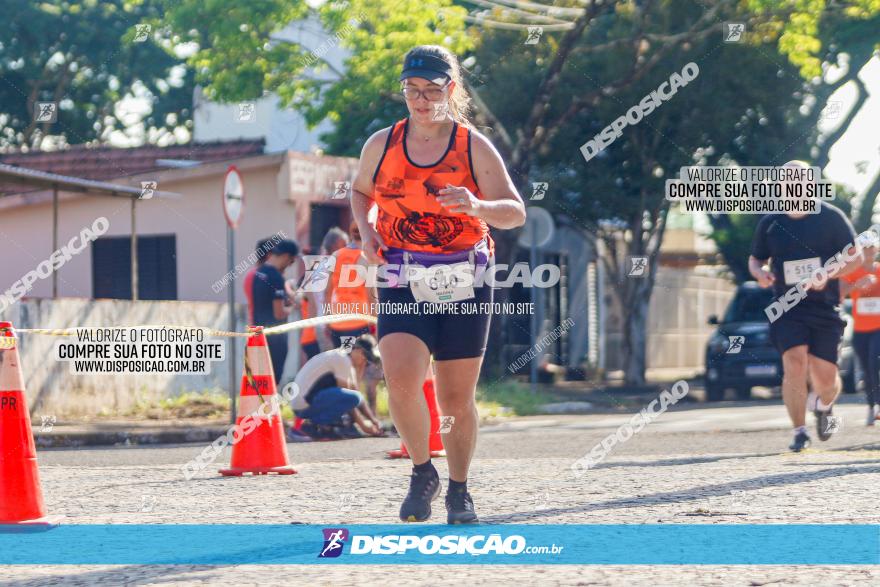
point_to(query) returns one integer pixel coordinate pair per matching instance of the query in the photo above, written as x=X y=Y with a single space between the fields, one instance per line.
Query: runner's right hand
x=765 y=278
x=372 y=243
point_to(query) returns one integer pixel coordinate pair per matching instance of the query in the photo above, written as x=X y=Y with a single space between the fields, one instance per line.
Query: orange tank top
x=351 y=299
x=409 y=215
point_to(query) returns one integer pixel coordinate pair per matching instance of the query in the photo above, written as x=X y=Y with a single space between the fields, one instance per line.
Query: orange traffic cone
x=435 y=441
x=21 y=500
x=264 y=449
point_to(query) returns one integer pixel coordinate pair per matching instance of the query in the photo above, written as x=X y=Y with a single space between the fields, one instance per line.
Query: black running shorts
x=818 y=326
x=461 y=333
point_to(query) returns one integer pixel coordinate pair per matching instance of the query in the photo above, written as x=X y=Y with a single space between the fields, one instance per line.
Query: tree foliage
x=246 y=55
x=84 y=57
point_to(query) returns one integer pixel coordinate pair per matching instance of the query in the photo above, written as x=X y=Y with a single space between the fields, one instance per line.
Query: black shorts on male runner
x=819 y=326
x=459 y=334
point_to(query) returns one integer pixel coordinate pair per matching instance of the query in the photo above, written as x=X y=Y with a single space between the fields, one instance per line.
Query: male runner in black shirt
x=807 y=253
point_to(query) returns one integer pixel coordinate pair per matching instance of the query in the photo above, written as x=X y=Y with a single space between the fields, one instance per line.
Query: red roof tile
x=110 y=162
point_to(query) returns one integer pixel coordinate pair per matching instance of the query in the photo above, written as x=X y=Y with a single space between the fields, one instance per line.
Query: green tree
x=243 y=56
x=86 y=56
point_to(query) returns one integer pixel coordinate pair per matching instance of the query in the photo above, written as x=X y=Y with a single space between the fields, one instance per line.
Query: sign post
x=536 y=235
x=233 y=203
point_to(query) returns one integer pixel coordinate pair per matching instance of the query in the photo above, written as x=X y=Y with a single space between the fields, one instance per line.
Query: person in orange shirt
x=349 y=299
x=438 y=185
x=863 y=286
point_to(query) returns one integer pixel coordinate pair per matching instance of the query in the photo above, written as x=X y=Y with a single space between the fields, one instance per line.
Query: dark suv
x=739 y=353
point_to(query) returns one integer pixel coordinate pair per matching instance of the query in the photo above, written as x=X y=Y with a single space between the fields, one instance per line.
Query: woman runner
x=438 y=185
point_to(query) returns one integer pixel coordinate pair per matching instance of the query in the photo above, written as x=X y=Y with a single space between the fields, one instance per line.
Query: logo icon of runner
x=46 y=112
x=735 y=344
x=334 y=540
x=340 y=190
x=638 y=265
x=347 y=343
x=318 y=273
x=733 y=31
x=535 y=33
x=446 y=423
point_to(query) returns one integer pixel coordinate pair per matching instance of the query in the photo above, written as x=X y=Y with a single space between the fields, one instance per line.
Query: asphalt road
x=697 y=430
x=696 y=464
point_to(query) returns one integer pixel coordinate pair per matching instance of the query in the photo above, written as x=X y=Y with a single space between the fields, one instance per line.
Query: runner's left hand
x=459 y=200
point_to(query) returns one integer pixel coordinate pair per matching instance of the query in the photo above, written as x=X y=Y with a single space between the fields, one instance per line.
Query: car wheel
x=744 y=393
x=714 y=392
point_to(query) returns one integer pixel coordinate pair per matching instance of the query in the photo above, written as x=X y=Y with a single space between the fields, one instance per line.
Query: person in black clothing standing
x=270 y=299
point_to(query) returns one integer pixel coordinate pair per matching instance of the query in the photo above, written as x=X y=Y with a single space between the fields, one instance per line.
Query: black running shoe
x=460 y=508
x=826 y=425
x=801 y=441
x=423 y=489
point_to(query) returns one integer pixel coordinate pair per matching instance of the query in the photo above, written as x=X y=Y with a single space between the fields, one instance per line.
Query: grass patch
x=382 y=410
x=191 y=404
x=501 y=398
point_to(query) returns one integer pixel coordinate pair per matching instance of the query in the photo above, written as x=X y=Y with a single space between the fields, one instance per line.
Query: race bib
x=868 y=305
x=795 y=271
x=444 y=283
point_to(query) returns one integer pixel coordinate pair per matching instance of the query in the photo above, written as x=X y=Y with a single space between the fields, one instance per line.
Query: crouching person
x=326 y=395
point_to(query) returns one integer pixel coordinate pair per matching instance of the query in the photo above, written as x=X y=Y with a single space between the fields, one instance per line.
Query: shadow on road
x=692 y=495
x=681 y=461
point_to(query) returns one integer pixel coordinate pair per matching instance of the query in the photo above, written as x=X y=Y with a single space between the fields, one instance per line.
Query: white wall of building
x=283 y=129
x=278 y=193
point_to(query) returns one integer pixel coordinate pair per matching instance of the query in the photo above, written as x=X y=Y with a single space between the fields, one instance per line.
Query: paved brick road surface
x=695 y=465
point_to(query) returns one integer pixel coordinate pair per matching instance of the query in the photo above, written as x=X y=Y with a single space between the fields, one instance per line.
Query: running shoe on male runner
x=824 y=427
x=424 y=487
x=824 y=424
x=801 y=441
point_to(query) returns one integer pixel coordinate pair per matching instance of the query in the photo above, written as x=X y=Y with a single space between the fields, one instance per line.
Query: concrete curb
x=127 y=438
